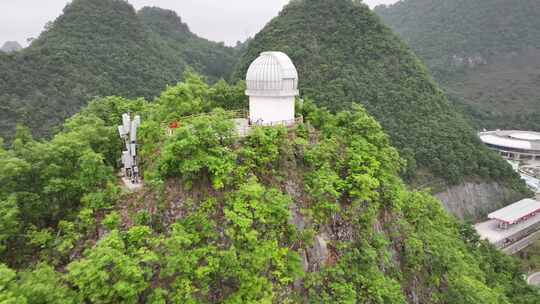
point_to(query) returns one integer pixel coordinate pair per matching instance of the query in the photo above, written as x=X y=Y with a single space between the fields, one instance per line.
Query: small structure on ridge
x=272 y=87
x=128 y=133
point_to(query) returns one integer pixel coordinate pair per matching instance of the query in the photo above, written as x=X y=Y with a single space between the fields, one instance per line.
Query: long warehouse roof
x=513 y=213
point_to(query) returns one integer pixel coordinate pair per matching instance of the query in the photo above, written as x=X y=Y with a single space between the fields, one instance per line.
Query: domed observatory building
x=272 y=86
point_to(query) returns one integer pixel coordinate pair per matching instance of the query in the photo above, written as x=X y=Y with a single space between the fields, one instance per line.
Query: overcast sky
x=218 y=20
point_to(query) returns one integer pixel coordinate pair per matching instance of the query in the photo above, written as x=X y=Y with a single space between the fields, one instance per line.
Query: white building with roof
x=516 y=212
x=514 y=227
x=272 y=87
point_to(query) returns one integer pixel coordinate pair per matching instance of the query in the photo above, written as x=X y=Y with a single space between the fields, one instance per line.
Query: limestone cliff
x=473 y=200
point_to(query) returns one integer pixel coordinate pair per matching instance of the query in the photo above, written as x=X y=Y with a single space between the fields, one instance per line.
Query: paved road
x=522 y=244
x=534 y=279
x=531 y=181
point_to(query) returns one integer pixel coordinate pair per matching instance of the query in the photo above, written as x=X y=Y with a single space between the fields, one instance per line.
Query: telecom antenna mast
x=128 y=133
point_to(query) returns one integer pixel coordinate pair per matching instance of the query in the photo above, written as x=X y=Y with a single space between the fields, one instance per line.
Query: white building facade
x=272 y=87
x=521 y=146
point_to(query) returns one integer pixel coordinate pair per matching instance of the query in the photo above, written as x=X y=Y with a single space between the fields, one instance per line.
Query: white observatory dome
x=272 y=74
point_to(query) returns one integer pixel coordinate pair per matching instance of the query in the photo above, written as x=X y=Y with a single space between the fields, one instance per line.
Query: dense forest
x=274 y=217
x=100 y=48
x=485 y=53
x=345 y=54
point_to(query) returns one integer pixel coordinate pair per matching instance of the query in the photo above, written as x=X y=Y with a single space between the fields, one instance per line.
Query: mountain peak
x=165 y=22
x=345 y=55
x=11 y=46
x=101 y=48
x=89 y=20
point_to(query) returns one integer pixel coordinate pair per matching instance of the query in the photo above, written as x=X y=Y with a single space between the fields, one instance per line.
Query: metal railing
x=290 y=122
x=244 y=130
x=239 y=114
x=232 y=114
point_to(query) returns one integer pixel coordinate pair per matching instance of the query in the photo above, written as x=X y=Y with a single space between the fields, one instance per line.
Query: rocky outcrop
x=472 y=201
x=318 y=254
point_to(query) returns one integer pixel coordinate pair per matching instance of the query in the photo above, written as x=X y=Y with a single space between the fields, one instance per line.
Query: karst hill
x=309 y=213
x=345 y=55
x=485 y=53
x=100 y=48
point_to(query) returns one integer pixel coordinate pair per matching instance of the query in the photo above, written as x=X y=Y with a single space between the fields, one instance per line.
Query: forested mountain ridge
x=98 y=48
x=486 y=53
x=345 y=54
x=276 y=216
x=214 y=60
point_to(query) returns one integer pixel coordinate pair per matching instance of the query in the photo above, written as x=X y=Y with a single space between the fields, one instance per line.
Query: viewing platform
x=242 y=122
x=244 y=125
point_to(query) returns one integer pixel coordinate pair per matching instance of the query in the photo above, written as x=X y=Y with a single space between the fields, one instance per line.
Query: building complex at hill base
x=514 y=145
x=514 y=227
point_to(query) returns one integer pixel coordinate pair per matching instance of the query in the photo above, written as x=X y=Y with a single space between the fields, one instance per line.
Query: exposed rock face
x=319 y=254
x=474 y=200
x=11 y=46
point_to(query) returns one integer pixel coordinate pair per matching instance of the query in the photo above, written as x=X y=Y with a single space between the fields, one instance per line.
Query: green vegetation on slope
x=344 y=54
x=224 y=219
x=100 y=48
x=485 y=53
x=530 y=258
